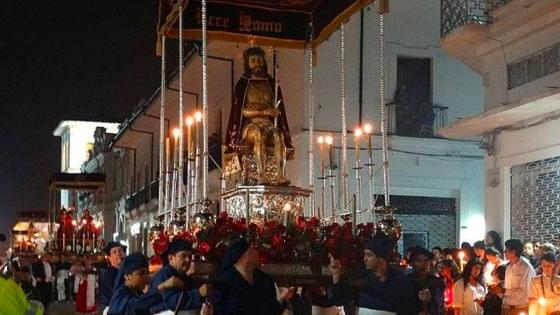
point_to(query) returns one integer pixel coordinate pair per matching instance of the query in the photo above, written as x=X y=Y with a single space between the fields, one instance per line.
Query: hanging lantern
x=175 y=227
x=389 y=226
x=201 y=220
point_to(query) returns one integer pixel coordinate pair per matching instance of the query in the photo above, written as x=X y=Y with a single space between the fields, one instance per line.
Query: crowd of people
x=484 y=278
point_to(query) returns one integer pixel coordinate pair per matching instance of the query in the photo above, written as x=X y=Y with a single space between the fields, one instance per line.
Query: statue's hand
x=272 y=112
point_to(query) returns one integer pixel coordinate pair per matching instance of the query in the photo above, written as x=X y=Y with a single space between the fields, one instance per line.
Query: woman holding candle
x=544 y=293
x=469 y=290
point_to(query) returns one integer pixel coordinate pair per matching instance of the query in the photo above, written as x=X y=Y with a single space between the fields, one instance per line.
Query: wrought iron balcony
x=457 y=13
x=415 y=121
x=142 y=196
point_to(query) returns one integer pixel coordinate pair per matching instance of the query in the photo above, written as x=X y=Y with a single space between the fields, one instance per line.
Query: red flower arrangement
x=304 y=241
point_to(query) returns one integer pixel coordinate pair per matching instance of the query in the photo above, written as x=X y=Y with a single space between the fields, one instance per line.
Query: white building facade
x=517 y=51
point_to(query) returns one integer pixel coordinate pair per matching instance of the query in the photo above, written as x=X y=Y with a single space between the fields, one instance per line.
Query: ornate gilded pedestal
x=259 y=204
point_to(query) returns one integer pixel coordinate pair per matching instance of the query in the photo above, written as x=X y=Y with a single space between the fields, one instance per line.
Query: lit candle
x=542 y=301
x=330 y=142
x=197 y=120
x=287 y=209
x=190 y=122
x=357 y=134
x=461 y=256
x=167 y=152
x=321 y=141
x=368 y=131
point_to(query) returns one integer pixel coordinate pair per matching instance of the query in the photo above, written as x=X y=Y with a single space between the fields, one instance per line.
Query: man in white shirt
x=544 y=296
x=519 y=273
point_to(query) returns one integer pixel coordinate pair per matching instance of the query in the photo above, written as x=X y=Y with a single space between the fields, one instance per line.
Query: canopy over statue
x=279 y=23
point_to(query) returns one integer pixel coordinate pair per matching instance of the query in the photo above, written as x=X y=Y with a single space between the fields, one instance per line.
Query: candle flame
x=542 y=301
x=461 y=255
x=320 y=139
x=198 y=116
x=358 y=132
x=189 y=121
x=176 y=132
x=329 y=140
x=367 y=128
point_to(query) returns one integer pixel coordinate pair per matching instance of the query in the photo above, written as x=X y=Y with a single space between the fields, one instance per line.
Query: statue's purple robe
x=237 y=122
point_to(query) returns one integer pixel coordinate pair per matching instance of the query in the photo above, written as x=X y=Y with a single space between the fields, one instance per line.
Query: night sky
x=80 y=60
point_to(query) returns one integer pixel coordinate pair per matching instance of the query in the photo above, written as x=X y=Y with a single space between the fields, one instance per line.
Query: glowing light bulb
x=176 y=132
x=367 y=128
x=189 y=121
x=358 y=132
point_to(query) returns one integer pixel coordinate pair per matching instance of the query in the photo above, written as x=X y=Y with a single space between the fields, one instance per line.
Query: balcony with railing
x=142 y=196
x=415 y=121
x=458 y=13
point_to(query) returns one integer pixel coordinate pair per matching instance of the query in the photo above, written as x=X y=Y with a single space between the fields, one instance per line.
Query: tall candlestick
x=167 y=173
x=357 y=135
x=63 y=241
x=330 y=143
x=321 y=141
x=368 y=131
x=354 y=210
x=74 y=241
x=175 y=183
x=190 y=122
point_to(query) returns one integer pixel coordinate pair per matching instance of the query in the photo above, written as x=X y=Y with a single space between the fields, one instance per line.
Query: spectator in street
x=529 y=253
x=75 y=270
x=492 y=304
x=438 y=253
x=423 y=293
x=479 y=248
x=469 y=290
x=62 y=275
x=519 y=273
x=449 y=273
x=42 y=274
x=85 y=300
x=377 y=288
x=114 y=253
x=493 y=239
x=544 y=292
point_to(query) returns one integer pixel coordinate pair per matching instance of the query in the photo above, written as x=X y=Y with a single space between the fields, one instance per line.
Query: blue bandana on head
x=112 y=245
x=130 y=264
x=382 y=247
x=174 y=247
x=235 y=251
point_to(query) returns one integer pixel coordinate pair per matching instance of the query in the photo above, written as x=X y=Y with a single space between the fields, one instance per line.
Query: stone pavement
x=62 y=308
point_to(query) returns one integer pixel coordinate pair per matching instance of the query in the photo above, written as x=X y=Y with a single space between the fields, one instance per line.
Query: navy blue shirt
x=414 y=284
x=107 y=283
x=233 y=295
x=190 y=300
x=127 y=302
x=367 y=291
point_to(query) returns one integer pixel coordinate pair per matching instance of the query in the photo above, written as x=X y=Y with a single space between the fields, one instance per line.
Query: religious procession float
x=76 y=231
x=295 y=228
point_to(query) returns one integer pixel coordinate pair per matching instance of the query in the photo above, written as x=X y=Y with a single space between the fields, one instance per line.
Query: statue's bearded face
x=256 y=65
